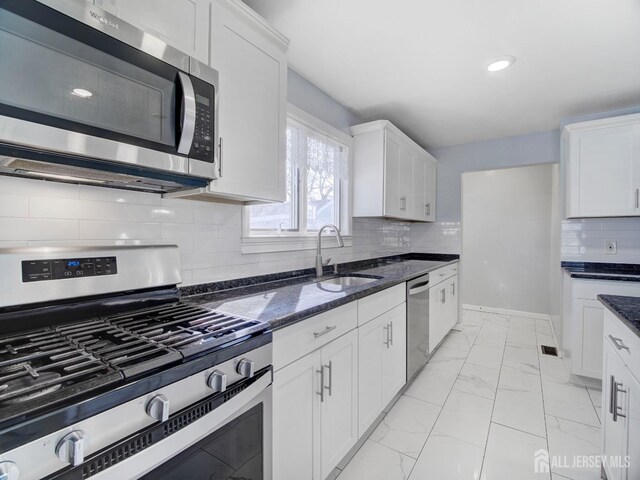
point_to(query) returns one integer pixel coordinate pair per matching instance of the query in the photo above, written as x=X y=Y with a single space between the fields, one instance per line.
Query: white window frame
x=303 y=240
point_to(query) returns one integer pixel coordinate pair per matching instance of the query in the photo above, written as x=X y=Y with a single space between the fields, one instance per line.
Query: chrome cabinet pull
x=442 y=295
x=325 y=331
x=220 y=158
x=453 y=289
x=637 y=198
x=427 y=207
x=391 y=333
x=321 y=392
x=329 y=367
x=617 y=388
x=618 y=343
x=612 y=395
x=386 y=333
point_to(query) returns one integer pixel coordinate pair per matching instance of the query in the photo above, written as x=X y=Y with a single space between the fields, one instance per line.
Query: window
x=317 y=183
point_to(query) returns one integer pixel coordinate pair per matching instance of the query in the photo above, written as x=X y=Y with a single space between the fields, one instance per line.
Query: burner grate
x=35 y=364
x=187 y=328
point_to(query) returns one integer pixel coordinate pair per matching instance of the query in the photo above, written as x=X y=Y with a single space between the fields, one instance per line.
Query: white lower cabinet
x=382 y=359
x=315 y=401
x=443 y=304
x=620 y=407
x=322 y=395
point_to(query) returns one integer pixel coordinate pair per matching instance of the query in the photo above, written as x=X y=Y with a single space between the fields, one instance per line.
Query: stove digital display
x=65 y=268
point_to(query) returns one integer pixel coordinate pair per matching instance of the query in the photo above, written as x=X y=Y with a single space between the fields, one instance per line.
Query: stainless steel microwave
x=87 y=98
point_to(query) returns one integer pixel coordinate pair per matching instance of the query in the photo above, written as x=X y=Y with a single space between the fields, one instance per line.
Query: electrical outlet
x=611 y=246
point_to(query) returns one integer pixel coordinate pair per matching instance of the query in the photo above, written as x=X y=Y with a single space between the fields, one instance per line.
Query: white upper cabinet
x=250 y=57
x=603 y=167
x=183 y=24
x=393 y=177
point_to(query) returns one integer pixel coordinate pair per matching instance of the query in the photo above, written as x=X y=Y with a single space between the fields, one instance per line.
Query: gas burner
x=28 y=387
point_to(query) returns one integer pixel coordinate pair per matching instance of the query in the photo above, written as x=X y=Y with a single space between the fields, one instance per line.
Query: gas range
x=107 y=385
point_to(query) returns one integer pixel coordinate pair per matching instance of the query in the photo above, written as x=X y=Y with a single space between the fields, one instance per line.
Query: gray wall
x=535 y=148
x=305 y=95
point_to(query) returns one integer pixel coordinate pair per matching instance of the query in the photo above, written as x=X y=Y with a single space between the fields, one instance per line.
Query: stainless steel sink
x=347 y=281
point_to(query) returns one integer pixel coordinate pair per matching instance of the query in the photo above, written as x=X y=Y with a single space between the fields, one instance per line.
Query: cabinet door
x=296 y=419
x=372 y=339
x=604 y=170
x=588 y=316
x=406 y=182
x=394 y=354
x=612 y=431
x=339 y=410
x=437 y=314
x=393 y=194
x=418 y=193
x=452 y=303
x=252 y=76
x=183 y=24
x=430 y=190
x=632 y=421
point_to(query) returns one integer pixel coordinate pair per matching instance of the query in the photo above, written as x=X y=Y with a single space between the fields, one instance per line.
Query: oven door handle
x=187 y=114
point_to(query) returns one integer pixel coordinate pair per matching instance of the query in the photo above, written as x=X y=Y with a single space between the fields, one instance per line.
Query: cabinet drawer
x=441 y=274
x=590 y=289
x=619 y=336
x=375 y=305
x=299 y=339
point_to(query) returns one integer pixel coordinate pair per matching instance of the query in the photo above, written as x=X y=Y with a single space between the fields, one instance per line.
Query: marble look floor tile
x=525 y=337
x=447 y=359
x=543 y=326
x=510 y=455
x=458 y=341
x=516 y=321
x=466 y=417
x=553 y=369
x=478 y=380
x=377 y=462
x=514 y=379
x=486 y=356
x=432 y=385
x=570 y=402
x=522 y=410
x=545 y=339
x=406 y=427
x=568 y=439
x=522 y=358
x=448 y=458
x=596 y=398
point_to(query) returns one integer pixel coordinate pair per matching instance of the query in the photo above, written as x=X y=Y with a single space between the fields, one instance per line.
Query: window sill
x=288 y=243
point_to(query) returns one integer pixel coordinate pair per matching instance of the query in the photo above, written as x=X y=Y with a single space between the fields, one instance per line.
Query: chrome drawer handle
x=321 y=392
x=325 y=331
x=618 y=343
x=329 y=367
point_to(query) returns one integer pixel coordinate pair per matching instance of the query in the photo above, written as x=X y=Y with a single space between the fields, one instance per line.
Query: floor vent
x=547 y=350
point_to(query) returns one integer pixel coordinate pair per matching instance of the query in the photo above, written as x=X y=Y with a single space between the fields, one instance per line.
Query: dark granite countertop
x=618 y=272
x=287 y=298
x=626 y=309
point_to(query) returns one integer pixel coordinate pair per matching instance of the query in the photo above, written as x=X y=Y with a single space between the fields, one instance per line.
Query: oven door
x=231 y=441
x=74 y=84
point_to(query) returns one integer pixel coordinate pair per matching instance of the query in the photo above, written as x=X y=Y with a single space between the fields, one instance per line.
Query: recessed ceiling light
x=500 y=63
x=81 y=92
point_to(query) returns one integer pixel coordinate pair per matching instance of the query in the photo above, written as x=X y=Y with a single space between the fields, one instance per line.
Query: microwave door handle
x=187 y=114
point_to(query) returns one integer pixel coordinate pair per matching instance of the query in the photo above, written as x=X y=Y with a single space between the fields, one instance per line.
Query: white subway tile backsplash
x=439 y=237
x=13 y=205
x=583 y=240
x=39 y=213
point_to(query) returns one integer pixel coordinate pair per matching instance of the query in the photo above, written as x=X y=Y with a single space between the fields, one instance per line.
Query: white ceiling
x=420 y=63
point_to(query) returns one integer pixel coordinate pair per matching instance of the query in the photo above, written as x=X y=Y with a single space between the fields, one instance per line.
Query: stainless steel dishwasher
x=417 y=324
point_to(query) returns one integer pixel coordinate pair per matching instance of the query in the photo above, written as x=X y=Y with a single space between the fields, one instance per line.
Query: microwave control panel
x=59 y=268
x=203 y=146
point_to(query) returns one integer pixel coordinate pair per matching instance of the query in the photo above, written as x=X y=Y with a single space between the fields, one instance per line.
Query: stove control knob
x=246 y=367
x=158 y=408
x=217 y=381
x=9 y=471
x=71 y=448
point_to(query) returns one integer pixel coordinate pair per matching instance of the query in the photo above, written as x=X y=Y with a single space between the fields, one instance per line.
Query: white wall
x=506 y=243
x=39 y=213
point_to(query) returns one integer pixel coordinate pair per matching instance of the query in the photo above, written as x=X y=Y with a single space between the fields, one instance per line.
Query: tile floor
x=482 y=406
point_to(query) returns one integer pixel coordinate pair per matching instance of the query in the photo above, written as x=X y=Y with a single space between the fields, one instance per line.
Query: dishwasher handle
x=419 y=288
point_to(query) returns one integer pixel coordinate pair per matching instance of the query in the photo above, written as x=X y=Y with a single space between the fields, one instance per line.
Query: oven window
x=235 y=451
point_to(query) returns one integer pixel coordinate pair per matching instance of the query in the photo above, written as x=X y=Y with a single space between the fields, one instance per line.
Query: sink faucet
x=319 y=262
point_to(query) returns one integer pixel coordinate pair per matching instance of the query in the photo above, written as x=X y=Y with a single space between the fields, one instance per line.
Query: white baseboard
x=504 y=311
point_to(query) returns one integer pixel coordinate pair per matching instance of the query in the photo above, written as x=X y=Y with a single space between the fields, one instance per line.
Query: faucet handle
x=326 y=262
